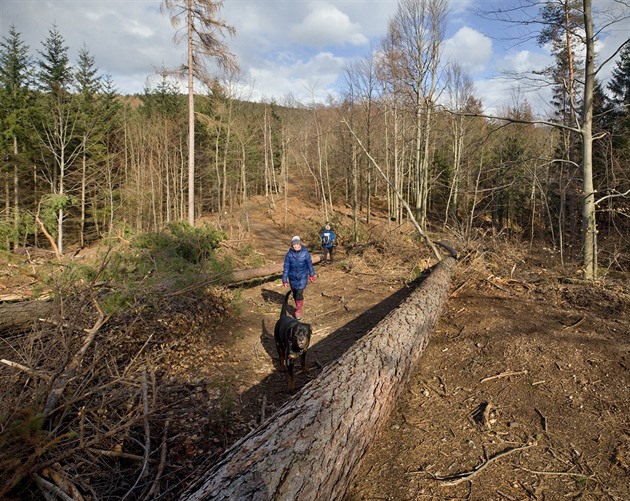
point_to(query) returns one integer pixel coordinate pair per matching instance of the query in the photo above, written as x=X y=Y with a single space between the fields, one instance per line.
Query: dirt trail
x=526 y=378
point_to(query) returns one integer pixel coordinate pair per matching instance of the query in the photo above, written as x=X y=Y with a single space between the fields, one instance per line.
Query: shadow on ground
x=263 y=399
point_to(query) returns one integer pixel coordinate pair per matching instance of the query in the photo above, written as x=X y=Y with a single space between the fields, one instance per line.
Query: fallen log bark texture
x=310 y=448
x=22 y=316
x=263 y=271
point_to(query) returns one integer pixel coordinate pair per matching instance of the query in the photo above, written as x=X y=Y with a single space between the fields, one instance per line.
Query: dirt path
x=527 y=379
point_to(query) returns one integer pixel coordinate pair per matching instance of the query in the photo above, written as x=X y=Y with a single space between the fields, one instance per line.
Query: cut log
x=22 y=316
x=310 y=448
x=263 y=271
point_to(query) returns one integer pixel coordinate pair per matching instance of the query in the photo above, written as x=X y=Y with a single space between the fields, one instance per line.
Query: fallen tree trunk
x=310 y=448
x=22 y=316
x=263 y=271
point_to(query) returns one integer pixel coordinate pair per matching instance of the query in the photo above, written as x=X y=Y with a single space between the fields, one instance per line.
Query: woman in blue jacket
x=298 y=270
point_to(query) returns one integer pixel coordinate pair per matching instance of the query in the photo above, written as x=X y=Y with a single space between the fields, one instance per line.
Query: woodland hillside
x=80 y=163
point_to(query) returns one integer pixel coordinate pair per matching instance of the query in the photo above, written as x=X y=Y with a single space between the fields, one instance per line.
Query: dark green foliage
x=55 y=72
x=619 y=84
x=193 y=245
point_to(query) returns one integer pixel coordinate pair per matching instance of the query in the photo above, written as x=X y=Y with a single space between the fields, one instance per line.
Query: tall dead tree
x=204 y=33
x=311 y=447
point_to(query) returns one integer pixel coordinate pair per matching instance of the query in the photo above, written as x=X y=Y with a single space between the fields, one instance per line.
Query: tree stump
x=310 y=448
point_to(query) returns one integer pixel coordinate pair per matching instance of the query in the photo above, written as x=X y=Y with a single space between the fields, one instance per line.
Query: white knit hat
x=296 y=240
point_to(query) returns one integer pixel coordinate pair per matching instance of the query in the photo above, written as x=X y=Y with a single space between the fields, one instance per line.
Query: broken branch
x=504 y=374
x=468 y=475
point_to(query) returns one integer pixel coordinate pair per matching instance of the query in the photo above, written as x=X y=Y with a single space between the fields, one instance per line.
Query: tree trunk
x=589 y=221
x=263 y=271
x=311 y=447
x=22 y=316
x=191 y=120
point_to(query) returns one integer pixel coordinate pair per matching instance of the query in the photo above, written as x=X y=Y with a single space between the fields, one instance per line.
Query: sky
x=296 y=48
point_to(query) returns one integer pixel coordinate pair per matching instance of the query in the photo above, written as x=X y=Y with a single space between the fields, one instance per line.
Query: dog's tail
x=283 y=312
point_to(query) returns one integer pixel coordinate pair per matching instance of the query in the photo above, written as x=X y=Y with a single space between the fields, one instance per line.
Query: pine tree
x=619 y=84
x=15 y=79
x=91 y=125
x=619 y=87
x=55 y=72
x=204 y=31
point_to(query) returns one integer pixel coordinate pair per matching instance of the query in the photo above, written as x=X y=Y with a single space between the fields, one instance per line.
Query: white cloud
x=304 y=79
x=498 y=93
x=469 y=48
x=523 y=61
x=326 y=25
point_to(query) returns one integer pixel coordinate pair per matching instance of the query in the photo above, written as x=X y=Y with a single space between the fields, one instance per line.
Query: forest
x=80 y=162
x=408 y=142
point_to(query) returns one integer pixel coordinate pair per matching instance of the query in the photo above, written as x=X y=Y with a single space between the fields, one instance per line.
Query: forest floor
x=523 y=391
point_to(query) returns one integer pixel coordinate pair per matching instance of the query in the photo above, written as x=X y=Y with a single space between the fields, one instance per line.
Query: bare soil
x=523 y=391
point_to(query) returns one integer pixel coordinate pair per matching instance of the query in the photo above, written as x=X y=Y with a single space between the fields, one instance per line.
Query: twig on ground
x=504 y=374
x=152 y=494
x=460 y=287
x=47 y=488
x=576 y=324
x=147 y=433
x=115 y=454
x=468 y=475
x=23 y=368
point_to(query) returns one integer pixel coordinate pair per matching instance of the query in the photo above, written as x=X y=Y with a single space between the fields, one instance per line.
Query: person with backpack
x=328 y=241
x=297 y=272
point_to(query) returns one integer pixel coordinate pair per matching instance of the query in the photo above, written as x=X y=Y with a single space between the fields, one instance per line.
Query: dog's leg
x=281 y=357
x=291 y=375
x=303 y=360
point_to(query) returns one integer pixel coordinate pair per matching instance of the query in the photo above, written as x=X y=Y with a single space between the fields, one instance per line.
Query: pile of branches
x=81 y=412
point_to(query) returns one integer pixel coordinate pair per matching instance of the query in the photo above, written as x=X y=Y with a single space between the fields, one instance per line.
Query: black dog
x=292 y=340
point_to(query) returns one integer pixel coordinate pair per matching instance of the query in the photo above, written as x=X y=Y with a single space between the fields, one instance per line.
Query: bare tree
x=204 y=36
x=460 y=95
x=582 y=119
x=416 y=34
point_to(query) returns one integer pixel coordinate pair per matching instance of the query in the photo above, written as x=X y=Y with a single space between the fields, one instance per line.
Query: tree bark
x=263 y=271
x=22 y=316
x=310 y=448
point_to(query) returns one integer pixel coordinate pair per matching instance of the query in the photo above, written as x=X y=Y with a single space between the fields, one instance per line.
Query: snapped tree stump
x=310 y=448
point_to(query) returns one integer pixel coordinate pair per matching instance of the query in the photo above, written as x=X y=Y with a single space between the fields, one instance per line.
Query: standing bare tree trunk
x=588 y=208
x=203 y=32
x=191 y=120
x=416 y=36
